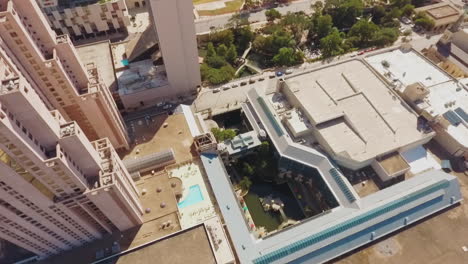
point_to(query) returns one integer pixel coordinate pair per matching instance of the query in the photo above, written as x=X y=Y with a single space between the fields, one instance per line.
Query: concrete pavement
x=204 y=25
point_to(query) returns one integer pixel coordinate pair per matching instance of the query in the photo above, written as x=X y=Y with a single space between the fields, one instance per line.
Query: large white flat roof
x=354 y=111
x=408 y=67
x=444 y=92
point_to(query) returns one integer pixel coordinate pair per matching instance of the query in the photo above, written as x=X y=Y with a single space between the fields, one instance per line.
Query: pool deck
x=192 y=174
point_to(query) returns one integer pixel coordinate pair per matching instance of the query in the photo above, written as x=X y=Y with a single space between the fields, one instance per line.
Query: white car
x=234 y=85
x=160 y=104
x=288 y=71
x=216 y=90
x=406 y=20
x=167 y=106
x=226 y=87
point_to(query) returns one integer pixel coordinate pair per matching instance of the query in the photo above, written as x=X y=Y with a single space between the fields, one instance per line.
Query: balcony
x=67 y=130
x=9 y=85
x=63 y=39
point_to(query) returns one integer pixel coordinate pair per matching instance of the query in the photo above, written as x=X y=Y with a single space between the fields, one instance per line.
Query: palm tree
x=245 y=183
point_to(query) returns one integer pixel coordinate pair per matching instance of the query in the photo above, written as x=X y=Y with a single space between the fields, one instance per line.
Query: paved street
x=204 y=24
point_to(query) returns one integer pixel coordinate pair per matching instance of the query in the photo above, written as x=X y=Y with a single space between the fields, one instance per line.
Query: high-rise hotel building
x=58 y=189
x=51 y=65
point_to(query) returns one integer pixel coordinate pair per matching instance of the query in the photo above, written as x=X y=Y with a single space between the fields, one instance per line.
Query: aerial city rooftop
x=233 y=131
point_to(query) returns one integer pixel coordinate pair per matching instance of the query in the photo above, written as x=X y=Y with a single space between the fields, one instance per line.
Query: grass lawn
x=231 y=7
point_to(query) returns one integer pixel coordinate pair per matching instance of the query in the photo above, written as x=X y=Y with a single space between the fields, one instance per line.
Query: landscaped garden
x=335 y=27
x=276 y=192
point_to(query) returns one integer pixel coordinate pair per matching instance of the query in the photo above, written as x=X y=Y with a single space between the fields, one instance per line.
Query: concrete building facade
x=135 y=3
x=177 y=43
x=51 y=64
x=87 y=20
x=58 y=190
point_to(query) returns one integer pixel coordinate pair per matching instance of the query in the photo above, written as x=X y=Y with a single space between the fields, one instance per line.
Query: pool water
x=195 y=195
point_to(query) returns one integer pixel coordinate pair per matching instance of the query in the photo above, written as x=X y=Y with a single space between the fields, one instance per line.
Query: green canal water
x=271 y=220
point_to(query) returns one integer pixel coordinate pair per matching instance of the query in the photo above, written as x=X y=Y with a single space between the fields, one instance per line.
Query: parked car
x=251 y=81
x=160 y=104
x=234 y=85
x=167 y=106
x=289 y=71
x=261 y=79
x=216 y=90
x=361 y=52
x=243 y=83
x=226 y=87
x=271 y=76
x=279 y=73
x=406 y=20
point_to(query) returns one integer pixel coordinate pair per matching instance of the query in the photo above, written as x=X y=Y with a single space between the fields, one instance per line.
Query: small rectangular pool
x=195 y=195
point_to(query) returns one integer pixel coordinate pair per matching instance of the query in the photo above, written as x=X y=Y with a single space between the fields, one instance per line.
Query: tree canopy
x=223 y=134
x=344 y=12
x=288 y=57
x=323 y=26
x=364 y=31
x=272 y=14
x=331 y=45
x=423 y=21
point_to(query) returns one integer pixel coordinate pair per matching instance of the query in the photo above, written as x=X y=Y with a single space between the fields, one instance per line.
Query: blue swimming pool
x=195 y=195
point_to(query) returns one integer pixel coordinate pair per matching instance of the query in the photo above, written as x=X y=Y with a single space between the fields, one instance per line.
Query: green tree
x=223 y=134
x=297 y=24
x=407 y=10
x=272 y=14
x=423 y=21
x=210 y=50
x=400 y=3
x=364 y=31
x=245 y=183
x=217 y=76
x=386 y=36
x=237 y=20
x=243 y=36
x=317 y=7
x=215 y=61
x=288 y=57
x=270 y=45
x=378 y=12
x=331 y=45
x=248 y=169
x=324 y=26
x=225 y=37
x=344 y=12
x=264 y=148
x=222 y=50
x=231 y=54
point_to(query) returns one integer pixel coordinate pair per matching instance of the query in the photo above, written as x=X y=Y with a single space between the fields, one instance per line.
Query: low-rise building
x=443 y=14
x=83 y=19
x=352 y=114
x=352 y=222
x=435 y=95
x=454 y=46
